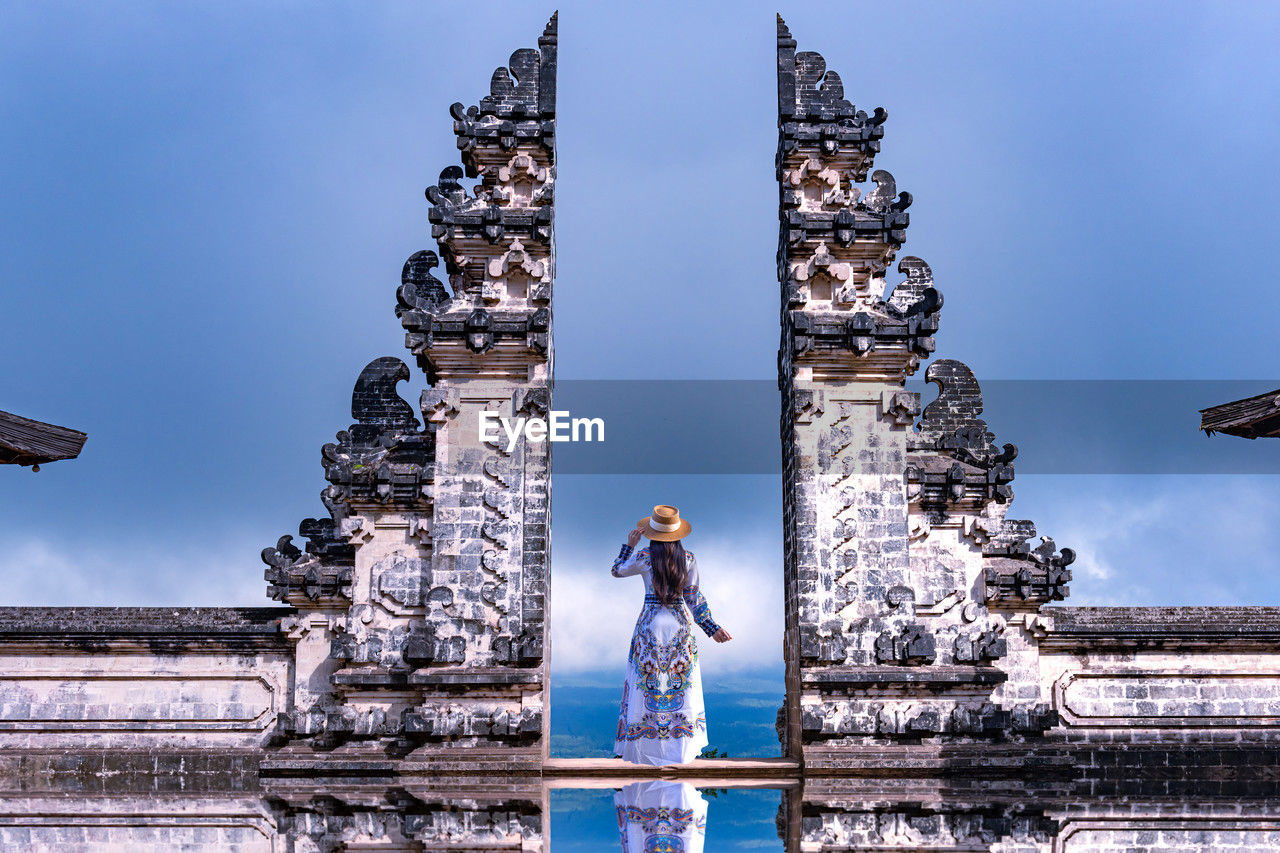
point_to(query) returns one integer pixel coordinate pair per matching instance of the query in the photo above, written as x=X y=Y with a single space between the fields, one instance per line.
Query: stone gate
x=936 y=695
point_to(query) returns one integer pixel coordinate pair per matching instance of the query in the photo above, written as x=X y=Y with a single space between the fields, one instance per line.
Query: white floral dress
x=670 y=817
x=662 y=719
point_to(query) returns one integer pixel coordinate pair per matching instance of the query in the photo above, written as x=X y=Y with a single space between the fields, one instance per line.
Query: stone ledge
x=371 y=677
x=82 y=772
x=434 y=762
x=1162 y=627
x=476 y=676
x=444 y=676
x=141 y=620
x=938 y=761
x=928 y=677
x=706 y=772
x=93 y=629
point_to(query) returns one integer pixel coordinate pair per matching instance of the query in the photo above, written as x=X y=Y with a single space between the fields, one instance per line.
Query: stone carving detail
x=812 y=108
x=911 y=718
x=991 y=719
x=456 y=720
x=402 y=583
x=517 y=275
x=523 y=183
x=420 y=291
x=456 y=216
x=321 y=576
x=844 y=823
x=393 y=818
x=424 y=648
x=900 y=405
x=329 y=728
x=494 y=237
x=983 y=647
x=912 y=646
x=519 y=110
x=383 y=458
x=955 y=461
x=1017 y=574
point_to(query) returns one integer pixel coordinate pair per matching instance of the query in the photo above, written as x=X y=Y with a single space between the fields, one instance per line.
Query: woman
x=662 y=720
x=661 y=816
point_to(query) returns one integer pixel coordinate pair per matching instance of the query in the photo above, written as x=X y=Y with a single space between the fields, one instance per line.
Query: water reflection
x=661 y=817
x=742 y=820
x=1183 y=804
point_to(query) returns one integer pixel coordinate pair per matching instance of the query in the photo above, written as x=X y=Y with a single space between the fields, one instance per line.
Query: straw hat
x=665 y=525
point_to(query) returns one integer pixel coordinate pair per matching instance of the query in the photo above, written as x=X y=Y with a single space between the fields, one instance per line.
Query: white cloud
x=125 y=572
x=594 y=613
x=1162 y=540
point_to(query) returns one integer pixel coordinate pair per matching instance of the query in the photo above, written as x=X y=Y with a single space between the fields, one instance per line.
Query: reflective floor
x=1130 y=798
x=644 y=817
x=666 y=816
x=674 y=817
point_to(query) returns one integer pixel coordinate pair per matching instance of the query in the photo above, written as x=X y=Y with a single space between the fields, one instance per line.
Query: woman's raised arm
x=626 y=563
x=629 y=559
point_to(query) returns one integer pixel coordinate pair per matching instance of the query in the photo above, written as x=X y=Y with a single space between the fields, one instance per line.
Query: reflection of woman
x=662 y=720
x=670 y=817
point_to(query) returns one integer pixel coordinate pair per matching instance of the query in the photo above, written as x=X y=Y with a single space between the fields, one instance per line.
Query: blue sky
x=206 y=207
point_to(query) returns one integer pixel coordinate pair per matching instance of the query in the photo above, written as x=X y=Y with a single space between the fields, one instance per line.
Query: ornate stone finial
x=950 y=424
x=819 y=92
x=812 y=106
x=959 y=399
x=786 y=72
x=513 y=91
x=420 y=290
x=495 y=237
x=548 y=43
x=1018 y=576
x=520 y=107
x=829 y=225
x=915 y=295
x=319 y=578
x=448 y=190
x=383 y=456
x=885 y=197
x=374 y=401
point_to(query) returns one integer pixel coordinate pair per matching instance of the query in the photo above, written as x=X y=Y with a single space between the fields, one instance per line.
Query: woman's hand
x=721 y=636
x=633 y=537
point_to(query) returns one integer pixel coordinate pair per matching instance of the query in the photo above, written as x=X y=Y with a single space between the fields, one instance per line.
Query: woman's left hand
x=633 y=537
x=721 y=636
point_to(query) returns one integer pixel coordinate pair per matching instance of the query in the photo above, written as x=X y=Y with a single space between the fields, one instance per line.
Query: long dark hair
x=670 y=571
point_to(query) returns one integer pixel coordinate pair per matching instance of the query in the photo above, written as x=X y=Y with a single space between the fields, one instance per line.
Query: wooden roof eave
x=24 y=441
x=1253 y=417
